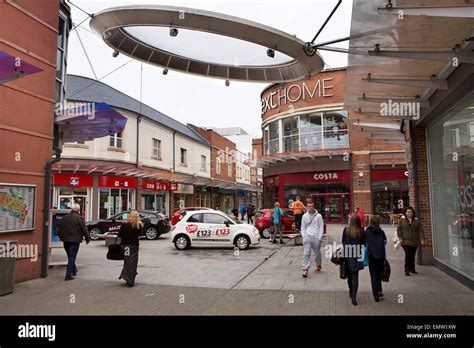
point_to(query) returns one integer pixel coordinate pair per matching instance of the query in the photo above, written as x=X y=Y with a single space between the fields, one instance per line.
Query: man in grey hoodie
x=312 y=228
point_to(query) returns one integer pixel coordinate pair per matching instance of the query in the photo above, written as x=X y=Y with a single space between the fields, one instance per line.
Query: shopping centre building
x=312 y=147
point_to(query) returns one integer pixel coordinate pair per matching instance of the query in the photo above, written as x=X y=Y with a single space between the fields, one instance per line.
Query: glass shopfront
x=330 y=192
x=451 y=149
x=116 y=194
x=73 y=188
x=157 y=201
x=307 y=131
x=389 y=192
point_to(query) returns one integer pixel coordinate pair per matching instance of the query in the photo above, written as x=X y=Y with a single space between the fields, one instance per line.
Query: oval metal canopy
x=205 y=43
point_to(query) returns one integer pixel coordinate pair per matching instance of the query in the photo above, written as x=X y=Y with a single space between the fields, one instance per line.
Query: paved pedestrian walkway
x=267 y=281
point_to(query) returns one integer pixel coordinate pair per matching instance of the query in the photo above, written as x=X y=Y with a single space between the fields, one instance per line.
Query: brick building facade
x=312 y=147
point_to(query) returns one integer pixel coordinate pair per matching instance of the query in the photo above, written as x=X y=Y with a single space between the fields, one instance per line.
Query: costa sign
x=325 y=176
x=295 y=92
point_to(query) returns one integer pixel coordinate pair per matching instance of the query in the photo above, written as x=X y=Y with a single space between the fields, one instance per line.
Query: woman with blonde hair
x=129 y=234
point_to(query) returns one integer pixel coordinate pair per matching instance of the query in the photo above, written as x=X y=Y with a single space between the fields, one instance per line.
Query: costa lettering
x=325 y=176
x=294 y=93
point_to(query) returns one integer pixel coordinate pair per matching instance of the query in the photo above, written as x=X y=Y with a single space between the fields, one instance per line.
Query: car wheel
x=94 y=233
x=242 y=242
x=266 y=233
x=151 y=233
x=181 y=242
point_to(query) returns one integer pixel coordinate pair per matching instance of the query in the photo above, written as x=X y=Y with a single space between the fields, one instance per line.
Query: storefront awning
x=12 y=68
x=88 y=121
x=120 y=169
x=400 y=54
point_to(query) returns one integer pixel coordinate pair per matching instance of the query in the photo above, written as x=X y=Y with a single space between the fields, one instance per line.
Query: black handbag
x=385 y=275
x=337 y=258
x=115 y=252
x=342 y=270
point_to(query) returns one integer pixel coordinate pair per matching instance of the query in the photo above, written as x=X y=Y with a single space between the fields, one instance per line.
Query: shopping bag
x=342 y=270
x=365 y=252
x=385 y=275
x=115 y=251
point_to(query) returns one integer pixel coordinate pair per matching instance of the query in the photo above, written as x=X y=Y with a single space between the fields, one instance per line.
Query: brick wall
x=219 y=145
x=425 y=255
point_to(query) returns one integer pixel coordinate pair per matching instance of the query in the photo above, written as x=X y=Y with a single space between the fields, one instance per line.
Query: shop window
x=389 y=198
x=156 y=148
x=311 y=131
x=290 y=134
x=335 y=130
x=451 y=185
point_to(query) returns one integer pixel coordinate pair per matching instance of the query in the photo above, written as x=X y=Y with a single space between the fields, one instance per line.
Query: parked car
x=262 y=222
x=212 y=228
x=155 y=224
x=178 y=214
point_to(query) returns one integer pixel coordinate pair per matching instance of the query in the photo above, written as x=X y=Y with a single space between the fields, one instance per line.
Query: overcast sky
x=199 y=100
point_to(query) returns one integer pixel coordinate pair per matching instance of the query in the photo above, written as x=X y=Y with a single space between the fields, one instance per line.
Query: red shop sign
x=118 y=182
x=73 y=180
x=158 y=186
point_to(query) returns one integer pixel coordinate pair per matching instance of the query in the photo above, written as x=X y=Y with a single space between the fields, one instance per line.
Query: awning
x=12 y=68
x=88 y=121
x=400 y=54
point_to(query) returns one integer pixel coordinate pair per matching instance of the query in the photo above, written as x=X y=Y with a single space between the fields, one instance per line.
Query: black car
x=155 y=224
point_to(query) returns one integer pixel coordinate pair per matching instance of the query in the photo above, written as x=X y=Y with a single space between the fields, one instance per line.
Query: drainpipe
x=46 y=199
x=139 y=119
x=174 y=151
x=415 y=168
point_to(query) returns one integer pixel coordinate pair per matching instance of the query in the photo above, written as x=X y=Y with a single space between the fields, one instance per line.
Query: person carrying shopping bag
x=352 y=242
x=129 y=235
x=376 y=240
x=410 y=234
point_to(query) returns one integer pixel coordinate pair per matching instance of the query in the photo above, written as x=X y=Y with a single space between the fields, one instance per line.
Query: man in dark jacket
x=72 y=230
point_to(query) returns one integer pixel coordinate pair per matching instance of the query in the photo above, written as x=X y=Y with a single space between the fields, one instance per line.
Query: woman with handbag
x=352 y=242
x=129 y=234
x=410 y=234
x=375 y=240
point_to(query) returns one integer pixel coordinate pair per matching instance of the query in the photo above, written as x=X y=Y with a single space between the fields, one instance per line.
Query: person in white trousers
x=312 y=228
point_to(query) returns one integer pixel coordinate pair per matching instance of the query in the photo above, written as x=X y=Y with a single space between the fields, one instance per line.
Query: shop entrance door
x=120 y=200
x=65 y=202
x=330 y=206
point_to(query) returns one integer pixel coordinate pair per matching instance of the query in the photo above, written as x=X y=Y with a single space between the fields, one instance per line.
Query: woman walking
x=375 y=239
x=352 y=240
x=410 y=234
x=277 y=214
x=129 y=234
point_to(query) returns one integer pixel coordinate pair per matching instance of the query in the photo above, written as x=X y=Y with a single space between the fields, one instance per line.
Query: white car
x=212 y=228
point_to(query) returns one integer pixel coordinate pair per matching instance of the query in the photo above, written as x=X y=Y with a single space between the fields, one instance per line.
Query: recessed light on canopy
x=209 y=44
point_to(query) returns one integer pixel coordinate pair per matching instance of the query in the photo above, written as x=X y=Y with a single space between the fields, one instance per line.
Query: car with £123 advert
x=212 y=228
